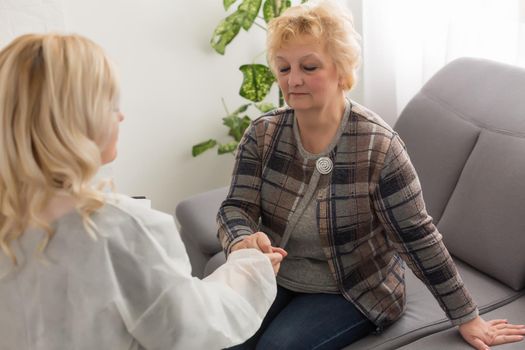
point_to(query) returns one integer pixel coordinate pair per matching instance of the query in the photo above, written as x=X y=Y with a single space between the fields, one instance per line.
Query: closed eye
x=310 y=68
x=284 y=69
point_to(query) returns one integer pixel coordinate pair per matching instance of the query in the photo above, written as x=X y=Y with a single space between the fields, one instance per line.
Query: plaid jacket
x=370 y=212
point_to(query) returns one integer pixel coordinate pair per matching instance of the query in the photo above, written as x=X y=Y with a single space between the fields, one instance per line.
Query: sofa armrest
x=198 y=229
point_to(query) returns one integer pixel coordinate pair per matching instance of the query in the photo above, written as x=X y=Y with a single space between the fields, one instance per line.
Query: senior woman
x=80 y=269
x=331 y=182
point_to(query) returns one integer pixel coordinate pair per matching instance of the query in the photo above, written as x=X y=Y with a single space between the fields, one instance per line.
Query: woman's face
x=109 y=153
x=307 y=74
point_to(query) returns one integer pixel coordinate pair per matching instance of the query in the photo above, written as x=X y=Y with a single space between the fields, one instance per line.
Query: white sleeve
x=164 y=307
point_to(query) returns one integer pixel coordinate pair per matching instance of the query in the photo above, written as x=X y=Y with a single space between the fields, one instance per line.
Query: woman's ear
x=341 y=83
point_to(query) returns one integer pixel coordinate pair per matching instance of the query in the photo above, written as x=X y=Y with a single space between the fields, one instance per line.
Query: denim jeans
x=309 y=321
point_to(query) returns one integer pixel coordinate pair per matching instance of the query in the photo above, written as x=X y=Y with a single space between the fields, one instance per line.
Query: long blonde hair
x=57 y=99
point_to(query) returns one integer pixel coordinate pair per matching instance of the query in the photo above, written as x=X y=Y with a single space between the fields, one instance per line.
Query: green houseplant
x=257 y=78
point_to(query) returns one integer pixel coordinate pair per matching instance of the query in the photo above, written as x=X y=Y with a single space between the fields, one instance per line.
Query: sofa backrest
x=465 y=134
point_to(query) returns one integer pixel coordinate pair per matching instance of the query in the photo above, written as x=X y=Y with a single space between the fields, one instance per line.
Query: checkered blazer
x=370 y=212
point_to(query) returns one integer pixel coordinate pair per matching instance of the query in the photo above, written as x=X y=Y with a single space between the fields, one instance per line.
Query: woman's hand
x=260 y=241
x=482 y=334
x=275 y=259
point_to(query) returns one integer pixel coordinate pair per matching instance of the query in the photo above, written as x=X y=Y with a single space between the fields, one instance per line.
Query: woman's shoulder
x=122 y=215
x=278 y=116
x=369 y=120
x=121 y=226
x=122 y=211
x=120 y=205
x=266 y=127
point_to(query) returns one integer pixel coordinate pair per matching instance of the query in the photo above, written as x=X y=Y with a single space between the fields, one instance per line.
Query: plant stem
x=258 y=55
x=224 y=105
x=281 y=98
x=260 y=26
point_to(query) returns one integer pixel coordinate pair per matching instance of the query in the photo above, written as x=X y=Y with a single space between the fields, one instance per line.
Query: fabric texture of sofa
x=465 y=134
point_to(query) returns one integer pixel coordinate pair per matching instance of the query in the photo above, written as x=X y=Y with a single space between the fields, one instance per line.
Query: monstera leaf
x=241 y=109
x=265 y=106
x=227 y=147
x=237 y=125
x=274 y=8
x=248 y=10
x=203 y=146
x=228 y=3
x=229 y=27
x=257 y=82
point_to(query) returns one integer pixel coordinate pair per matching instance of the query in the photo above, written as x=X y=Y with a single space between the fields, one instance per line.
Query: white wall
x=172 y=84
x=18 y=17
x=356 y=7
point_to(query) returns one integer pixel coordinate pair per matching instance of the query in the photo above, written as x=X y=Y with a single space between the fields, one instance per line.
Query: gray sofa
x=465 y=133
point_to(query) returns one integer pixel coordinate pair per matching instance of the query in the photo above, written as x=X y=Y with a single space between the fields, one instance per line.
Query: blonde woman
x=80 y=269
x=331 y=182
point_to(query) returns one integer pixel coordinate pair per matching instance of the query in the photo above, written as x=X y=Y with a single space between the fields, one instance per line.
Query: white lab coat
x=130 y=289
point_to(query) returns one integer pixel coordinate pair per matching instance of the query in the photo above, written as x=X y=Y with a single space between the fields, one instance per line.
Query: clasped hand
x=260 y=241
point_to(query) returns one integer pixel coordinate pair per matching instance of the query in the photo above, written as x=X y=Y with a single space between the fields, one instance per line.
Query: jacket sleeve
x=399 y=203
x=164 y=307
x=239 y=214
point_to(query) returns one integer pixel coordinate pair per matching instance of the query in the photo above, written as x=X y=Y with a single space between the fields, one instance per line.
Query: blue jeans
x=309 y=321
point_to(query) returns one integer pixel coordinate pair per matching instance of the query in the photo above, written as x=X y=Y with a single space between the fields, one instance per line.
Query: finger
x=280 y=251
x=263 y=242
x=504 y=339
x=510 y=331
x=515 y=325
x=498 y=321
x=509 y=326
x=275 y=258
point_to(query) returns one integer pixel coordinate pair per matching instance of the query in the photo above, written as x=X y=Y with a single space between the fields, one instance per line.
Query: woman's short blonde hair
x=326 y=21
x=58 y=94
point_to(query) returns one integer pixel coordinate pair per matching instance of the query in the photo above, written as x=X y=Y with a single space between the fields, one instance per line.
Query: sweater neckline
x=342 y=126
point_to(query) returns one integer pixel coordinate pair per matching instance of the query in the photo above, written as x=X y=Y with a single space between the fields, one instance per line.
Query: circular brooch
x=324 y=165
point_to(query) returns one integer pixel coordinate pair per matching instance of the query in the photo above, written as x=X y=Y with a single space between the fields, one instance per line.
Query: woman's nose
x=295 y=78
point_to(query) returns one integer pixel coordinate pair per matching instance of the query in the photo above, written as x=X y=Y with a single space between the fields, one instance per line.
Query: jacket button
x=324 y=165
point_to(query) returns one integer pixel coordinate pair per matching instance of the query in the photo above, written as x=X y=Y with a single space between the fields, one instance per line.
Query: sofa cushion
x=486 y=93
x=215 y=261
x=451 y=339
x=481 y=225
x=423 y=316
x=196 y=216
x=439 y=142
